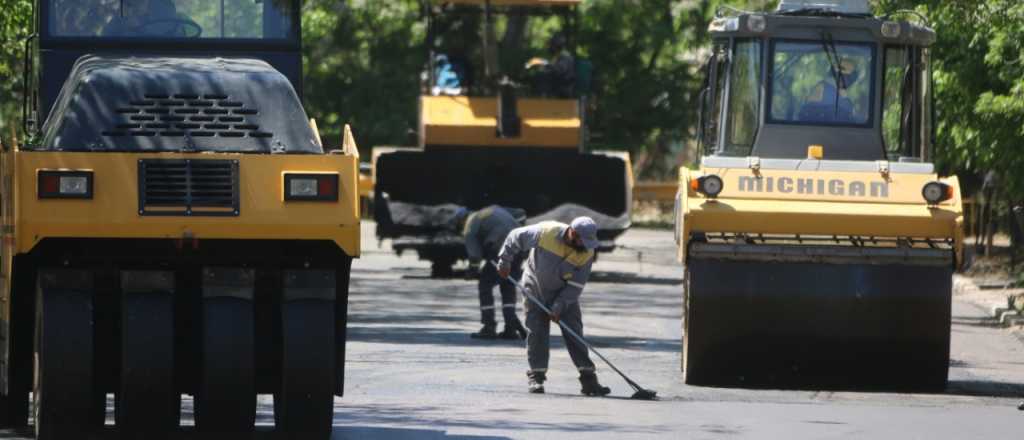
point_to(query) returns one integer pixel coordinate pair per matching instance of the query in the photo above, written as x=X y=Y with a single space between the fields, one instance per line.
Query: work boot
x=590 y=385
x=536 y=382
x=513 y=331
x=487 y=332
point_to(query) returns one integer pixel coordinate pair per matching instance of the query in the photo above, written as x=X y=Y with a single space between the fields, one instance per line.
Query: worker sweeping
x=558 y=268
x=484 y=231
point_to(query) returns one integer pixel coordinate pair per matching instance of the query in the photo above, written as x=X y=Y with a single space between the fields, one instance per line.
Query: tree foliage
x=14 y=28
x=979 y=86
x=363 y=61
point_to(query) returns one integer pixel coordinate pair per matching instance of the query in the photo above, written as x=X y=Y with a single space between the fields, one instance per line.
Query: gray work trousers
x=538 y=341
x=485 y=286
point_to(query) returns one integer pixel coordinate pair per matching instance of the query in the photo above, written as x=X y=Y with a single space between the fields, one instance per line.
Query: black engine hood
x=164 y=104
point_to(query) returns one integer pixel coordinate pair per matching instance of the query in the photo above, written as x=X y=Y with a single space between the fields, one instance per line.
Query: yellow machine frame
x=471 y=121
x=112 y=212
x=899 y=213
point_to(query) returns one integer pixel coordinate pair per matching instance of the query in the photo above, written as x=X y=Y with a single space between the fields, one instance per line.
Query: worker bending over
x=484 y=232
x=556 y=272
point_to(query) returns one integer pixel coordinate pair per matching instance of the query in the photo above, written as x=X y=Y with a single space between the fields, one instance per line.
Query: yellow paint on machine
x=114 y=210
x=831 y=186
x=473 y=121
x=831 y=203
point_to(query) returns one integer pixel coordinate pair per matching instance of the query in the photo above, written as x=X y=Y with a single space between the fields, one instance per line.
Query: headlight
x=936 y=192
x=891 y=29
x=710 y=186
x=311 y=187
x=65 y=184
x=756 y=23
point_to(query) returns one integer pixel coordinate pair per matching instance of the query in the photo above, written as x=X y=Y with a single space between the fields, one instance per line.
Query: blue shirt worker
x=828 y=101
x=559 y=265
x=484 y=232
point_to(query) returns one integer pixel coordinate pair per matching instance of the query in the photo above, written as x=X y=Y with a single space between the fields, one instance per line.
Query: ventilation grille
x=187 y=115
x=188 y=187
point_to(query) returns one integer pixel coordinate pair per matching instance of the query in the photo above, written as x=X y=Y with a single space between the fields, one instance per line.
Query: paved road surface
x=414 y=373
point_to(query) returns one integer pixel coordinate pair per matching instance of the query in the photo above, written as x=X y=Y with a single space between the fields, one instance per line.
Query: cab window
x=896 y=102
x=822 y=83
x=744 y=98
x=172 y=19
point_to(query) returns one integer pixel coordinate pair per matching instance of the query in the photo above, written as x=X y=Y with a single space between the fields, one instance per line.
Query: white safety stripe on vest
x=575 y=284
x=487 y=308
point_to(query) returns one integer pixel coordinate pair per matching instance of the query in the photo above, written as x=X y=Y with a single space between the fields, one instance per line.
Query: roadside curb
x=1004 y=305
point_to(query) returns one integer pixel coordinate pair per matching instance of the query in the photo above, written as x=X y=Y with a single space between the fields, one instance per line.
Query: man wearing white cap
x=558 y=268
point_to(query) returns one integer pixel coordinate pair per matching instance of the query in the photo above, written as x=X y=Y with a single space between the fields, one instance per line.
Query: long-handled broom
x=640 y=394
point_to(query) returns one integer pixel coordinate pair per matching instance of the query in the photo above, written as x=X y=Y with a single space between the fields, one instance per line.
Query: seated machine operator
x=827 y=101
x=151 y=18
x=557 y=76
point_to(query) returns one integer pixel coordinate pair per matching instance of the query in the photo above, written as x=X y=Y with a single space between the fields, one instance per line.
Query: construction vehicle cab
x=172 y=224
x=502 y=121
x=818 y=240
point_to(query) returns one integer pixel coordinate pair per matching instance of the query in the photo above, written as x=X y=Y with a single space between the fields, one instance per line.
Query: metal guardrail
x=655 y=191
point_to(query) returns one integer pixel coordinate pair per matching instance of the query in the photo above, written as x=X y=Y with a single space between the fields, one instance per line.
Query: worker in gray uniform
x=483 y=232
x=558 y=268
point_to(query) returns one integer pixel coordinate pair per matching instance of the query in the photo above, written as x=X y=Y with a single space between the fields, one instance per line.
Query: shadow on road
x=976 y=321
x=984 y=388
x=596 y=277
x=448 y=337
x=357 y=416
x=371 y=433
x=632 y=278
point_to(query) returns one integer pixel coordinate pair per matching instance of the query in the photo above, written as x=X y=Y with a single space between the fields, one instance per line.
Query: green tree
x=362 y=67
x=978 y=60
x=14 y=28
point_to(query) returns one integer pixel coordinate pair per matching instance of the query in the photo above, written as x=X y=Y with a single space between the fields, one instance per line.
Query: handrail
x=28 y=70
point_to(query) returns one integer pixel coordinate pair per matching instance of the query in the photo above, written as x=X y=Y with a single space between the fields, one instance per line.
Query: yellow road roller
x=818 y=240
x=501 y=123
x=173 y=225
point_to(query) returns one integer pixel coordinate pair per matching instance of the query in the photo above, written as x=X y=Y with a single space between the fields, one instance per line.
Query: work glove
x=556 y=310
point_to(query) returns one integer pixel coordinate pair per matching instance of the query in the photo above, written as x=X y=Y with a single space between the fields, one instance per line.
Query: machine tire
x=148 y=400
x=225 y=401
x=442 y=269
x=304 y=402
x=98 y=418
x=14 y=410
x=63 y=390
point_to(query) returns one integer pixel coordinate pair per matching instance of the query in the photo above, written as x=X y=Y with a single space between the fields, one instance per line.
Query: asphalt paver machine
x=174 y=226
x=497 y=137
x=818 y=240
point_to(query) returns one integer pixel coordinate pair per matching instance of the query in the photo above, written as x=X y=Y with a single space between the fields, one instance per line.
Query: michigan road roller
x=172 y=225
x=497 y=126
x=818 y=240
